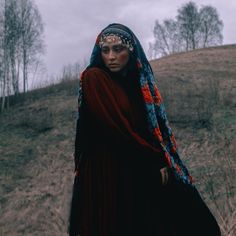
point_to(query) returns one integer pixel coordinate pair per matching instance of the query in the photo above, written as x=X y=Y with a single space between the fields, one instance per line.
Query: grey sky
x=71 y=26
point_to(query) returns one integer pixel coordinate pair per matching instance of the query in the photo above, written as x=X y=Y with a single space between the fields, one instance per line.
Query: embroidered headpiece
x=116 y=35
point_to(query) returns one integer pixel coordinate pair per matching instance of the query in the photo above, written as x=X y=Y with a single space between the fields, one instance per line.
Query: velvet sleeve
x=97 y=92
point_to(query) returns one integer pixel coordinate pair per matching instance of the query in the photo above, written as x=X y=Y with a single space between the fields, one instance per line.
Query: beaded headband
x=112 y=35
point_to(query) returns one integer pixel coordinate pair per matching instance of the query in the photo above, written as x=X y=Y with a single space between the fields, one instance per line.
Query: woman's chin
x=114 y=69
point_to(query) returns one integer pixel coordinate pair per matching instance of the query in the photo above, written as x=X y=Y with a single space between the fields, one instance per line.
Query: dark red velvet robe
x=120 y=184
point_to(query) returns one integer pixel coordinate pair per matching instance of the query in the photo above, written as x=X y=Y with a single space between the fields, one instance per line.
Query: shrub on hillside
x=38 y=119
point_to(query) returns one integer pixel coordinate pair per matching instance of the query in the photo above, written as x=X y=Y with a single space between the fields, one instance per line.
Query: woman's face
x=114 y=54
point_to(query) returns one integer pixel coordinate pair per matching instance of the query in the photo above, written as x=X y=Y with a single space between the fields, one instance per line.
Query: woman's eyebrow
x=118 y=45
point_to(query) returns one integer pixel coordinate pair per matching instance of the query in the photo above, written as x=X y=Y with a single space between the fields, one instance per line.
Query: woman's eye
x=105 y=50
x=118 y=48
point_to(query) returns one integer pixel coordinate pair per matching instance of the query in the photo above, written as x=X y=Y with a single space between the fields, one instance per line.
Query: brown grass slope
x=37 y=137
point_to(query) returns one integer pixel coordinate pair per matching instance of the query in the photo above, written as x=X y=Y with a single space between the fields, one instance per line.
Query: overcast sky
x=71 y=26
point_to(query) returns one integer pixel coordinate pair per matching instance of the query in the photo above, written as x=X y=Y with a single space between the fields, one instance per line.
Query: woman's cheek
x=124 y=57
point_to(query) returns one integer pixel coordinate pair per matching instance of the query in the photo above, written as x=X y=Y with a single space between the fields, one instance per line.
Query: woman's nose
x=111 y=55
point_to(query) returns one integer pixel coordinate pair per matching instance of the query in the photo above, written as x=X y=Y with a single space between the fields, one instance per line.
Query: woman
x=129 y=178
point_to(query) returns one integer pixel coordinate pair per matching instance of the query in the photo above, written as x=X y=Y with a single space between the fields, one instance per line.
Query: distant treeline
x=21 y=43
x=192 y=28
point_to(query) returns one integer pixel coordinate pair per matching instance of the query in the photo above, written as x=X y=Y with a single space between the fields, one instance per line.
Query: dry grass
x=36 y=166
x=193 y=84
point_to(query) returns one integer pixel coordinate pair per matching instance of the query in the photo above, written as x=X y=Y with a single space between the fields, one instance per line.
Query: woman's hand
x=164 y=175
x=77 y=170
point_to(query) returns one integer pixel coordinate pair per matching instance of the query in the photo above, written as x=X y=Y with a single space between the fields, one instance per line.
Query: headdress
x=157 y=119
x=111 y=34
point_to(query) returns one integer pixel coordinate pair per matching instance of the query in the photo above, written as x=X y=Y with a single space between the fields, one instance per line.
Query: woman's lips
x=113 y=65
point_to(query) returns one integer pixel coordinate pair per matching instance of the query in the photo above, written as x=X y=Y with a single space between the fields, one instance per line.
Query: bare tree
x=167 y=40
x=211 y=27
x=8 y=49
x=192 y=29
x=71 y=71
x=12 y=39
x=21 y=43
x=2 y=82
x=31 y=36
x=189 y=23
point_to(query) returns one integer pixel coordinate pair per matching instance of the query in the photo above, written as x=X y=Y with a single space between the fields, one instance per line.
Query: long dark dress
x=120 y=182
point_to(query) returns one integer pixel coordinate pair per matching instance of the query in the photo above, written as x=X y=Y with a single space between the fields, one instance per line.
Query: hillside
x=37 y=138
x=204 y=78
